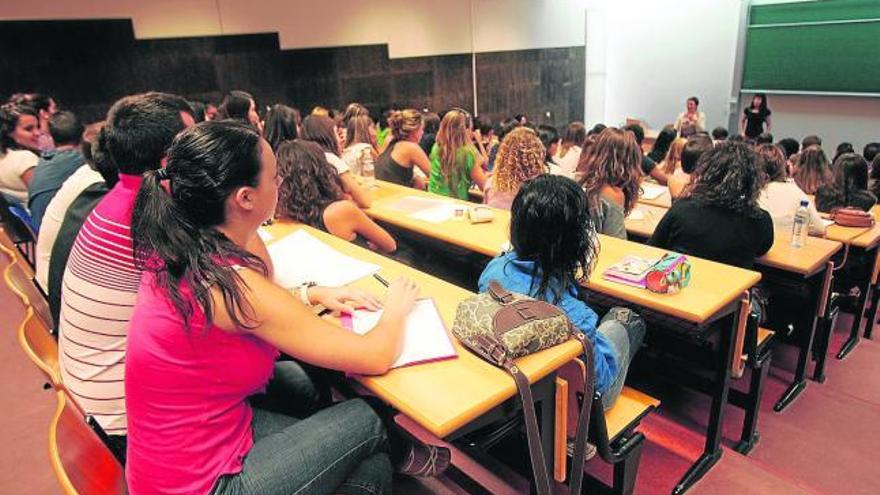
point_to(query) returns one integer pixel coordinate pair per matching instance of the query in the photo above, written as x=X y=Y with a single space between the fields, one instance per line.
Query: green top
x=464 y=160
x=382 y=135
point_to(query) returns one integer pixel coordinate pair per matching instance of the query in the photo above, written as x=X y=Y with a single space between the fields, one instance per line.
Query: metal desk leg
x=853 y=339
x=875 y=298
x=806 y=332
x=712 y=451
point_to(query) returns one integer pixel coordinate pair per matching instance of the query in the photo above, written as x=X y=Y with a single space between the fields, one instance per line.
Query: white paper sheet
x=439 y=213
x=652 y=191
x=425 y=337
x=264 y=234
x=636 y=215
x=413 y=204
x=300 y=258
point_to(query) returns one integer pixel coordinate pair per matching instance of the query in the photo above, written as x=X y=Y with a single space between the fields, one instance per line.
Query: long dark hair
x=236 y=105
x=308 y=182
x=762 y=109
x=661 y=145
x=551 y=226
x=9 y=115
x=174 y=231
x=813 y=170
x=850 y=177
x=280 y=125
x=729 y=176
x=322 y=130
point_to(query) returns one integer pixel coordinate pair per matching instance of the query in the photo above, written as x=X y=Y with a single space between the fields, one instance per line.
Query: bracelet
x=304 y=293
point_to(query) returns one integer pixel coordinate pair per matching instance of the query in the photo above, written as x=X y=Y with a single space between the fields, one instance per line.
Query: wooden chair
x=82 y=463
x=41 y=347
x=20 y=280
x=612 y=431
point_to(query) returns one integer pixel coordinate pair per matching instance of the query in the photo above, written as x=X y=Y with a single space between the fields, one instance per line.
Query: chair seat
x=764 y=335
x=628 y=410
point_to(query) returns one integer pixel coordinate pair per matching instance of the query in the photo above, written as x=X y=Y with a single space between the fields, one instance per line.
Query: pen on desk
x=381 y=280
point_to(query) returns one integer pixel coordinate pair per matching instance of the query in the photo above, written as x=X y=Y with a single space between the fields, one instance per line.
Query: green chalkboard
x=814 y=47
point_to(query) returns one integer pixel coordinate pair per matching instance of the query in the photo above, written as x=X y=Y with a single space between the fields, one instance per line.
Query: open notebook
x=300 y=258
x=425 y=337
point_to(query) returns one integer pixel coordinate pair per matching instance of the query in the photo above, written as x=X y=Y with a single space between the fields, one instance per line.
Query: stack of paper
x=425 y=337
x=652 y=191
x=439 y=213
x=301 y=258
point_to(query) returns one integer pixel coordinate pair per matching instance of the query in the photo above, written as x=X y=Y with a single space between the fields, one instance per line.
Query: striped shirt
x=98 y=293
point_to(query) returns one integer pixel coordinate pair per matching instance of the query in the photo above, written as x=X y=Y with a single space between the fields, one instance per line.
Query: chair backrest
x=22 y=232
x=82 y=463
x=20 y=280
x=40 y=346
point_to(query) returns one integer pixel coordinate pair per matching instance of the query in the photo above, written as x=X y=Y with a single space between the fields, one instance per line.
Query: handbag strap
x=576 y=476
x=499 y=293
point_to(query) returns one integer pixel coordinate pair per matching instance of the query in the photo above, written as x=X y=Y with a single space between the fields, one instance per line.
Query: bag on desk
x=852 y=217
x=500 y=326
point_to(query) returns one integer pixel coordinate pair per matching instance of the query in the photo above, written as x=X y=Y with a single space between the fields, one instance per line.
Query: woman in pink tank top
x=200 y=343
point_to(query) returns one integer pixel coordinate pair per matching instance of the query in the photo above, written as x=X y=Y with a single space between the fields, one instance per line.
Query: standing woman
x=520 y=158
x=756 y=117
x=19 y=145
x=570 y=150
x=241 y=106
x=322 y=130
x=455 y=161
x=395 y=164
x=611 y=172
x=281 y=125
x=812 y=170
x=692 y=120
x=360 y=144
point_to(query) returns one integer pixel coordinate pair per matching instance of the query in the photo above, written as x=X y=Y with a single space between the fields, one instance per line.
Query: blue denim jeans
x=340 y=449
x=625 y=329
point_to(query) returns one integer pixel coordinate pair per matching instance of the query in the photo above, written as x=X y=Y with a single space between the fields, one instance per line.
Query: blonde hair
x=673 y=156
x=321 y=111
x=404 y=123
x=452 y=137
x=520 y=158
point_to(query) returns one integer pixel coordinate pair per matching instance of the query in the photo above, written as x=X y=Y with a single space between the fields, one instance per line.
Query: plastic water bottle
x=799 y=226
x=368 y=172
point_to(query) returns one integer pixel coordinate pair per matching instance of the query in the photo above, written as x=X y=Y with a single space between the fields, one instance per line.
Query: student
x=875 y=175
x=354 y=110
x=281 y=125
x=45 y=107
x=870 y=151
x=241 y=106
x=649 y=166
x=812 y=170
x=781 y=197
x=403 y=153
x=843 y=148
x=764 y=138
x=504 y=128
x=811 y=140
x=789 y=147
x=455 y=161
x=359 y=150
x=549 y=137
x=429 y=135
x=322 y=130
x=692 y=120
x=756 y=117
x=672 y=161
x=228 y=332
x=719 y=134
x=57 y=165
x=383 y=129
x=570 y=149
x=719 y=218
x=611 y=174
x=520 y=159
x=661 y=145
x=695 y=147
x=311 y=193
x=100 y=279
x=849 y=187
x=19 y=144
x=554 y=249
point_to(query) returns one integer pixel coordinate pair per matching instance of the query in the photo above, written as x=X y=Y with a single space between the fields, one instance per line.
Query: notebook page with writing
x=300 y=258
x=425 y=337
x=652 y=191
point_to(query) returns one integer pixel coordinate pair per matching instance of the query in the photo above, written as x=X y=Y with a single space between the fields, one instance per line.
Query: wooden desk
x=664 y=200
x=445 y=396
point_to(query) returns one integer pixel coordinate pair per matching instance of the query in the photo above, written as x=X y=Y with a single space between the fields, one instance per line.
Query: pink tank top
x=188 y=420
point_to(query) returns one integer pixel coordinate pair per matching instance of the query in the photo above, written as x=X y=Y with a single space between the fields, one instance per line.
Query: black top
x=714 y=233
x=427 y=142
x=389 y=170
x=648 y=165
x=829 y=198
x=358 y=240
x=755 y=121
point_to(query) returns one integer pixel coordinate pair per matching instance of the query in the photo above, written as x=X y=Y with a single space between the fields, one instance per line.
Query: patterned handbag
x=500 y=326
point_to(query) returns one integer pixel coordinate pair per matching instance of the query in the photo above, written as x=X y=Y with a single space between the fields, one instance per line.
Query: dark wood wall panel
x=89 y=64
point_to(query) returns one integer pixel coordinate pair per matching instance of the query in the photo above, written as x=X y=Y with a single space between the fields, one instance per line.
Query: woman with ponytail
x=209 y=323
x=395 y=164
x=455 y=161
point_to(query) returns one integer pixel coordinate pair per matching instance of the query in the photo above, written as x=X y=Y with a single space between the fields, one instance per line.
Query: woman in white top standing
x=322 y=130
x=781 y=196
x=692 y=120
x=19 y=142
x=569 y=152
x=360 y=145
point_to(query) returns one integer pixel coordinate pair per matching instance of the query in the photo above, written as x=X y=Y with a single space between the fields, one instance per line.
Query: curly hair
x=729 y=176
x=812 y=170
x=308 y=182
x=520 y=158
x=613 y=160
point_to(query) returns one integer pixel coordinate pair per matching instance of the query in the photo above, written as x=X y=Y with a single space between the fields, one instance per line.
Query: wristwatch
x=304 y=292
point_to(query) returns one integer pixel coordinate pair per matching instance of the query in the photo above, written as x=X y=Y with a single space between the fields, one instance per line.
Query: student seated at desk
x=781 y=197
x=649 y=166
x=691 y=152
x=718 y=218
x=455 y=161
x=850 y=186
x=812 y=170
x=554 y=247
x=311 y=193
x=611 y=176
x=403 y=153
x=520 y=158
x=322 y=130
x=570 y=149
x=672 y=161
x=209 y=323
